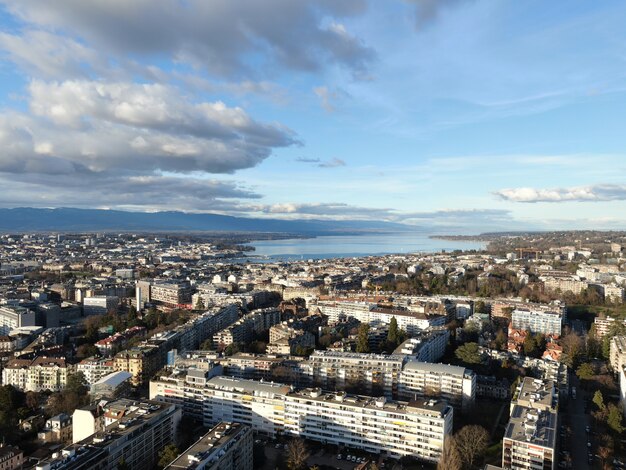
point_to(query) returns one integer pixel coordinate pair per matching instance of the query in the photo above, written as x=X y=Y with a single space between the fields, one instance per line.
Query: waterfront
x=341 y=246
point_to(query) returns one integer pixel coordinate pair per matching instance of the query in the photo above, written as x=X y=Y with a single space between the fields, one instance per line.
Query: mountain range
x=28 y=219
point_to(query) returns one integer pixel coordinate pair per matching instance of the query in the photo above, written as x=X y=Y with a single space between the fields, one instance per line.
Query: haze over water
x=357 y=245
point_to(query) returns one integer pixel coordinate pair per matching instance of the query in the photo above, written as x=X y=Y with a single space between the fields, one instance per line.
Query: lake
x=343 y=246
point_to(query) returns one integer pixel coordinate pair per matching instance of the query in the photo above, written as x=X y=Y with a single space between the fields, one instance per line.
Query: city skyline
x=473 y=115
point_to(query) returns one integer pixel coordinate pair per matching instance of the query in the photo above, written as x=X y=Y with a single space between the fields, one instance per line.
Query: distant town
x=141 y=351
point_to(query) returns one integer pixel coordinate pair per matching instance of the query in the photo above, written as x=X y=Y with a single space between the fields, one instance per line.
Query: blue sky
x=462 y=115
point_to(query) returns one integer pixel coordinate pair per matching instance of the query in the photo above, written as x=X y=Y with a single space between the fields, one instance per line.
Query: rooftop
x=209 y=446
x=537 y=427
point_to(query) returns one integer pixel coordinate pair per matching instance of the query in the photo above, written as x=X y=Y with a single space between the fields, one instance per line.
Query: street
x=578 y=422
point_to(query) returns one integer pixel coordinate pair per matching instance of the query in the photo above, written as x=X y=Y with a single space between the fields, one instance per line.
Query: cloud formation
x=225 y=38
x=597 y=193
x=332 y=163
x=427 y=11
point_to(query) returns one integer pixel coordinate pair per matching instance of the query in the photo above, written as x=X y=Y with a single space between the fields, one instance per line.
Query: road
x=578 y=422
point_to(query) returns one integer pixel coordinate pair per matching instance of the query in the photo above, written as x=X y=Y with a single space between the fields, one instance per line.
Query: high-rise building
x=120 y=431
x=227 y=446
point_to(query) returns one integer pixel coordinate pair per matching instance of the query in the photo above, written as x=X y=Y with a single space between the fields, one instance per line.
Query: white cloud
x=606 y=192
x=134 y=127
x=221 y=36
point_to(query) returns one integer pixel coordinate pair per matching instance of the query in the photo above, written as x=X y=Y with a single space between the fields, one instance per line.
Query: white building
x=375 y=425
x=335 y=370
x=38 y=374
x=94 y=369
x=547 y=322
x=227 y=446
x=617 y=356
x=455 y=384
x=13 y=317
x=359 y=422
x=100 y=304
x=132 y=431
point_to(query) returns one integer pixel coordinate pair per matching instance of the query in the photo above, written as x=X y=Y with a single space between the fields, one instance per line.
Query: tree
x=468 y=353
x=585 y=371
x=32 y=400
x=480 y=307
x=392 y=335
x=76 y=383
x=614 y=419
x=450 y=458
x=86 y=350
x=167 y=455
x=362 y=343
x=200 y=304
x=501 y=340
x=471 y=442
x=598 y=400
x=572 y=349
x=297 y=454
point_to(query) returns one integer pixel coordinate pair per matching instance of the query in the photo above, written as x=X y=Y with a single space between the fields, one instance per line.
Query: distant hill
x=28 y=219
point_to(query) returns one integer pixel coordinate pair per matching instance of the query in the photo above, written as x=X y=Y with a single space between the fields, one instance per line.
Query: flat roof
x=114 y=378
x=209 y=445
x=537 y=427
x=436 y=368
x=249 y=386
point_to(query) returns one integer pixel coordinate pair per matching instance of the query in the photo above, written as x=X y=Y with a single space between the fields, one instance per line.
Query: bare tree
x=471 y=442
x=297 y=454
x=573 y=346
x=450 y=458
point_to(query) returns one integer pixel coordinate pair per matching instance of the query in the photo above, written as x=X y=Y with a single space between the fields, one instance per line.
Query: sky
x=461 y=115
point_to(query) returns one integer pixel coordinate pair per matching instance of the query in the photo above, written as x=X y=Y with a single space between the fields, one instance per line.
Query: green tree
x=392 y=335
x=76 y=383
x=530 y=345
x=598 y=399
x=231 y=349
x=167 y=455
x=200 y=304
x=614 y=419
x=501 y=340
x=468 y=353
x=585 y=371
x=362 y=343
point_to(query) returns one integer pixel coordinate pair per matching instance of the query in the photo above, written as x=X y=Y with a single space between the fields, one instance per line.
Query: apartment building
x=100 y=304
x=285 y=339
x=94 y=368
x=244 y=329
x=530 y=439
x=547 y=322
x=13 y=317
x=603 y=325
x=428 y=346
x=455 y=384
x=530 y=436
x=376 y=425
x=361 y=422
x=564 y=284
x=11 y=457
x=617 y=356
x=129 y=431
x=184 y=388
x=142 y=362
x=335 y=370
x=38 y=374
x=170 y=294
x=227 y=446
